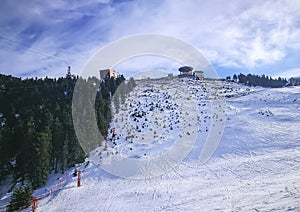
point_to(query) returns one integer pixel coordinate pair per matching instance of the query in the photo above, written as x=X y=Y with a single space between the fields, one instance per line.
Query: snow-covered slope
x=256 y=166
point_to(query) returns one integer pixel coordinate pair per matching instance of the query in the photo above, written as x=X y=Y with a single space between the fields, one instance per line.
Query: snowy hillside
x=256 y=166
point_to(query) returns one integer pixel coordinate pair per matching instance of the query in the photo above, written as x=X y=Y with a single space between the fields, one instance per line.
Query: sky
x=43 y=38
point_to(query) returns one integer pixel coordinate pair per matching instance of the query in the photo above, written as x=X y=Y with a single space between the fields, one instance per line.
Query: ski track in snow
x=255 y=168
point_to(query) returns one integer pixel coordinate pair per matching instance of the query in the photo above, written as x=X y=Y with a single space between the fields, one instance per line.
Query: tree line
x=256 y=80
x=37 y=135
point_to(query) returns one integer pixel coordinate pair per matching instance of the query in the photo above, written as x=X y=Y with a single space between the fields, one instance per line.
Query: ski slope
x=256 y=166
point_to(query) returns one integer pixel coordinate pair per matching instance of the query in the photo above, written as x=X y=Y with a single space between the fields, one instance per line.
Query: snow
x=264 y=183
x=4 y=194
x=256 y=165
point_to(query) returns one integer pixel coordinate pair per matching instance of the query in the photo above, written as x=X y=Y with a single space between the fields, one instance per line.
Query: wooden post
x=79 y=178
x=106 y=141
x=113 y=132
x=34 y=204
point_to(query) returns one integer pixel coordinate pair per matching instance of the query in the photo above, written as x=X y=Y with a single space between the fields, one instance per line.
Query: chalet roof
x=185 y=69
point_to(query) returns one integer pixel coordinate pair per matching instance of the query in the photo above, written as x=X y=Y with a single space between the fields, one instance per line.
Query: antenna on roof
x=69 y=72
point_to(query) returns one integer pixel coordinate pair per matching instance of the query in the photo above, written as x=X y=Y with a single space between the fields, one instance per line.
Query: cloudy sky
x=42 y=38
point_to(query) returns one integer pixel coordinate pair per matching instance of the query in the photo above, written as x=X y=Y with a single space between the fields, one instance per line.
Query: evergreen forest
x=37 y=135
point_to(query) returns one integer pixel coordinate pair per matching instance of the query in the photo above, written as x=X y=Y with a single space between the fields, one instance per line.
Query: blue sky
x=42 y=38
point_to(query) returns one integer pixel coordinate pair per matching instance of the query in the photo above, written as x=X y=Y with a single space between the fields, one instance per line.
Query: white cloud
x=238 y=34
x=147 y=64
x=295 y=72
x=258 y=52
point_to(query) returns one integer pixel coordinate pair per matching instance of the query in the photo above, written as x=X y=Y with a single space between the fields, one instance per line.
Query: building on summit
x=199 y=75
x=108 y=73
x=187 y=72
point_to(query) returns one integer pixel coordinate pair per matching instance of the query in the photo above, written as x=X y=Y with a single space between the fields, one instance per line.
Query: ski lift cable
x=34 y=50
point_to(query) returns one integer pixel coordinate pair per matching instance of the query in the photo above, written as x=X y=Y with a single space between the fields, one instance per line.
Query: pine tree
x=2 y=159
x=42 y=151
x=117 y=101
x=20 y=198
x=57 y=143
x=264 y=81
x=132 y=83
x=65 y=153
x=235 y=77
x=24 y=154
